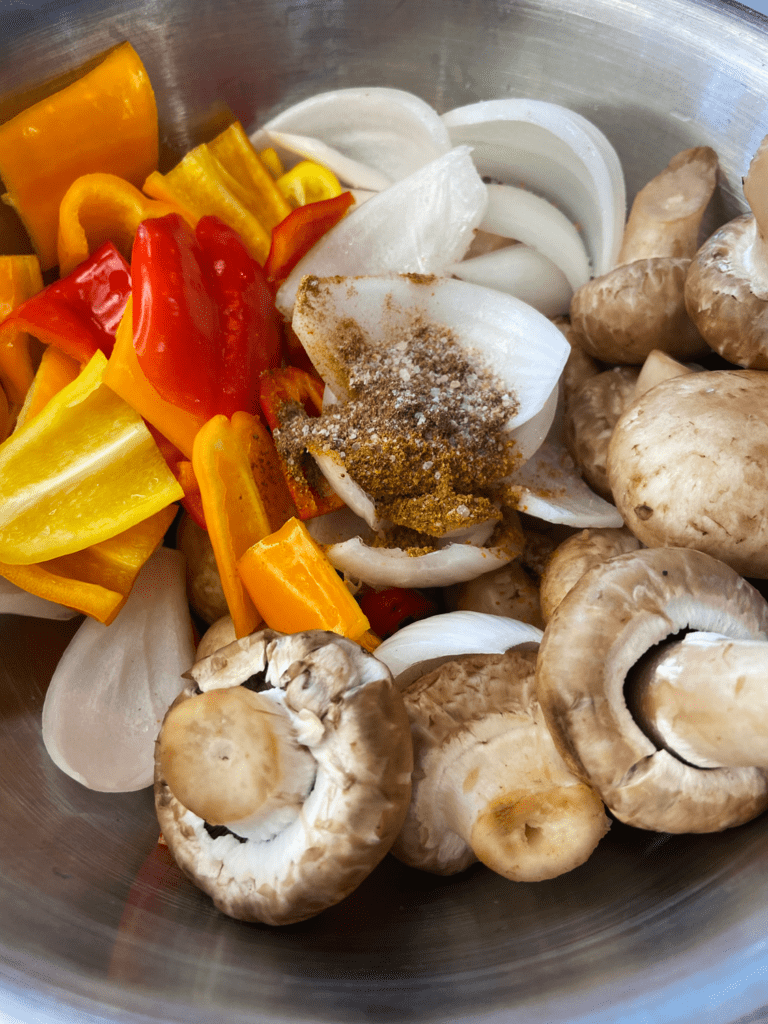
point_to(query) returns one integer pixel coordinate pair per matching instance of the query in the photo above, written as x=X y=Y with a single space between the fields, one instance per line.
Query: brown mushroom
x=726 y=290
x=571 y=559
x=686 y=465
x=639 y=305
x=283 y=773
x=204 y=589
x=607 y=622
x=506 y=591
x=488 y=782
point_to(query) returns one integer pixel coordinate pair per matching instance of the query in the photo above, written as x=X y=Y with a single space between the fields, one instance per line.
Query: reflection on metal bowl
x=96 y=923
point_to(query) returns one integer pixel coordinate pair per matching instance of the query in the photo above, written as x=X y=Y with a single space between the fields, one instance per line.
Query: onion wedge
x=505 y=337
x=520 y=214
x=522 y=271
x=557 y=153
x=15 y=601
x=422 y=646
x=550 y=487
x=420 y=225
x=114 y=683
x=390 y=131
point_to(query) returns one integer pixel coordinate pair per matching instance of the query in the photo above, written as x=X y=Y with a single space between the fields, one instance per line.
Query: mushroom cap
x=508 y=591
x=615 y=613
x=640 y=306
x=350 y=716
x=219 y=634
x=571 y=559
x=727 y=305
x=686 y=465
x=488 y=780
x=590 y=417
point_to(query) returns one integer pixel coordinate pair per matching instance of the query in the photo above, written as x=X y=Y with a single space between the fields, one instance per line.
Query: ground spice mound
x=424 y=433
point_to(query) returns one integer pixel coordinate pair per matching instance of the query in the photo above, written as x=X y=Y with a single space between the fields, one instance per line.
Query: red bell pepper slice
x=294 y=236
x=290 y=386
x=391 y=609
x=204 y=322
x=80 y=313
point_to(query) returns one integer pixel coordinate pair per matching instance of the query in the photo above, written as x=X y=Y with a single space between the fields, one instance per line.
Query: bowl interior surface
x=96 y=922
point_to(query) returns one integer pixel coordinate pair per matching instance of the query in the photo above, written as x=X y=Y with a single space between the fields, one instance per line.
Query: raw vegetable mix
x=377 y=411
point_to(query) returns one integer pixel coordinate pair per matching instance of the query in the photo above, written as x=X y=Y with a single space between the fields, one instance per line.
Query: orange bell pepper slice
x=20 y=279
x=97 y=208
x=236 y=512
x=295 y=587
x=226 y=178
x=97 y=580
x=106 y=121
x=124 y=376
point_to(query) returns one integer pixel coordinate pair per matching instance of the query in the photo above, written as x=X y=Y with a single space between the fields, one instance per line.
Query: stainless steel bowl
x=95 y=922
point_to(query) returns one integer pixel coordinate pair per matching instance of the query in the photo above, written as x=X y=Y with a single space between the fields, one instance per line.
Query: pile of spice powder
x=424 y=433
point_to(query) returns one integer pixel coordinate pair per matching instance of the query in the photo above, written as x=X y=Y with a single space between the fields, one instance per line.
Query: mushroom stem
x=705 y=699
x=231 y=756
x=756 y=194
x=666 y=215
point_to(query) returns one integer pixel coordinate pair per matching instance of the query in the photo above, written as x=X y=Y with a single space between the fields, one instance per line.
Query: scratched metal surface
x=95 y=924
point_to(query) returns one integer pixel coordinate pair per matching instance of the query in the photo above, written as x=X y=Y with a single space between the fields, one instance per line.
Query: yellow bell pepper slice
x=106 y=121
x=20 y=279
x=125 y=377
x=97 y=208
x=309 y=182
x=226 y=178
x=84 y=469
x=294 y=586
x=271 y=160
x=236 y=512
x=55 y=371
x=97 y=580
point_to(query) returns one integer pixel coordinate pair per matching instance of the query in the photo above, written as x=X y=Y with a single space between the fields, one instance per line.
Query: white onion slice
x=518 y=345
x=520 y=214
x=552 y=489
x=351 y=493
x=419 y=225
x=421 y=646
x=522 y=271
x=349 y=172
x=390 y=130
x=113 y=684
x=559 y=154
x=15 y=601
x=336 y=527
x=393 y=567
x=529 y=436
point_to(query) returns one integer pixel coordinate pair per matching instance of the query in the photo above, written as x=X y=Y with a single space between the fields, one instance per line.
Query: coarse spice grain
x=424 y=432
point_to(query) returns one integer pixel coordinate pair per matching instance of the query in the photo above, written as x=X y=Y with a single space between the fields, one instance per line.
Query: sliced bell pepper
x=204 y=322
x=97 y=580
x=55 y=371
x=125 y=377
x=84 y=469
x=105 y=121
x=271 y=160
x=6 y=416
x=304 y=227
x=227 y=179
x=394 y=607
x=295 y=587
x=101 y=208
x=235 y=510
x=79 y=313
x=20 y=279
x=308 y=182
x=280 y=391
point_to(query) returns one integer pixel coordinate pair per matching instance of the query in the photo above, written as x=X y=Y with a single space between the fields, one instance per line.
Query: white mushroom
x=488 y=782
x=508 y=591
x=639 y=305
x=686 y=465
x=296 y=756
x=607 y=622
x=204 y=589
